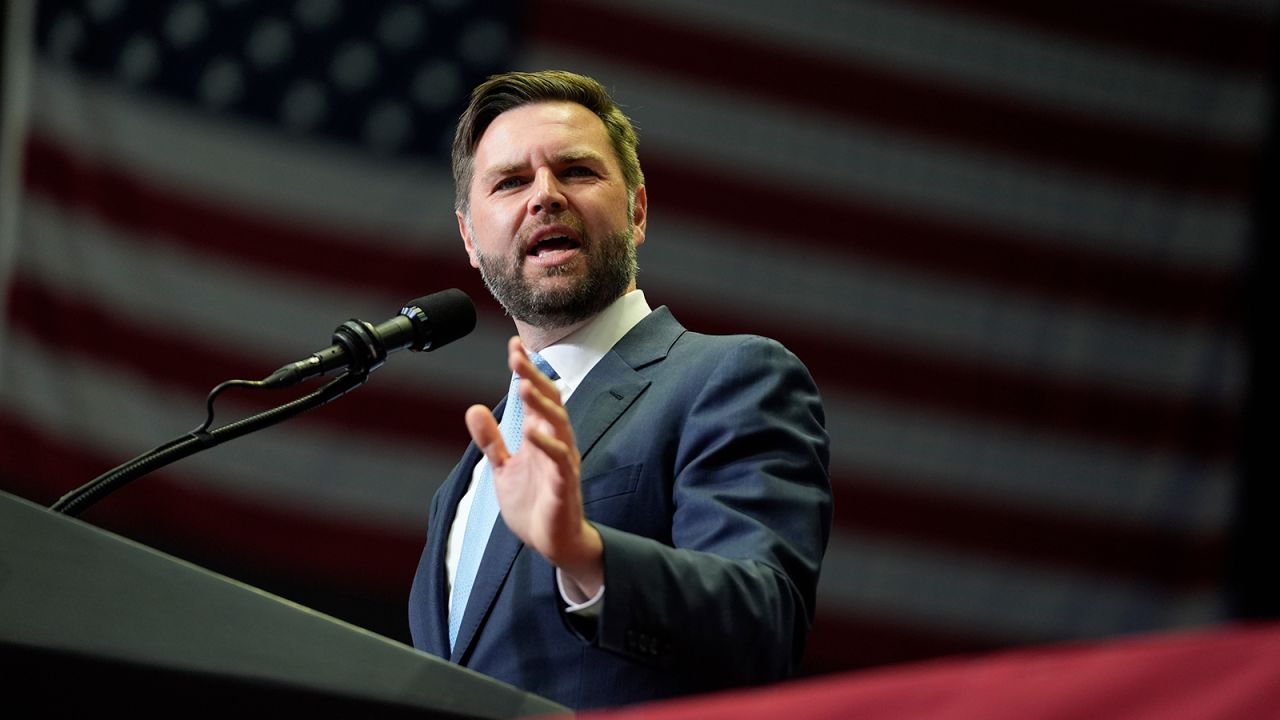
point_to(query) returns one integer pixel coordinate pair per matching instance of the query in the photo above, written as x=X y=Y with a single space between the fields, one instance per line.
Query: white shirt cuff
x=590 y=607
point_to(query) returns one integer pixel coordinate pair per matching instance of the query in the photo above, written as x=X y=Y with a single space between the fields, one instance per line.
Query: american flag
x=1007 y=238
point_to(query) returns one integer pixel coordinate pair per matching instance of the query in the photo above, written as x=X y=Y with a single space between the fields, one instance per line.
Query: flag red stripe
x=906 y=103
x=1079 y=407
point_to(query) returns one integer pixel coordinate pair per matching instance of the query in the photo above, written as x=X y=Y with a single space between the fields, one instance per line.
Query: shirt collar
x=575 y=355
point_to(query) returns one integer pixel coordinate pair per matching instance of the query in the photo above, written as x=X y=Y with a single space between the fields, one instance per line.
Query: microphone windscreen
x=449 y=315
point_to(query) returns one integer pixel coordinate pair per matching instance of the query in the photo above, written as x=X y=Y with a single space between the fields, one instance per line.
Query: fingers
x=486 y=435
x=547 y=408
x=563 y=454
x=550 y=432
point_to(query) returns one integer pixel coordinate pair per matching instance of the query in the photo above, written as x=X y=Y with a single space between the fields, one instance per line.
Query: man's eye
x=579 y=171
x=508 y=183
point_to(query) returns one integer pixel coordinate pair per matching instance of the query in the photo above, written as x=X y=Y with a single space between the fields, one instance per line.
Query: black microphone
x=423 y=324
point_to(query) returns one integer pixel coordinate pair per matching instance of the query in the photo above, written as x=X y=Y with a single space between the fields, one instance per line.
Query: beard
x=610 y=269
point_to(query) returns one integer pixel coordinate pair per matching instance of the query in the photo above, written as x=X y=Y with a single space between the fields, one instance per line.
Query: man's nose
x=547 y=195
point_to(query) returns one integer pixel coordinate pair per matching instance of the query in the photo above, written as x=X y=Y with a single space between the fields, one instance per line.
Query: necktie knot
x=543 y=366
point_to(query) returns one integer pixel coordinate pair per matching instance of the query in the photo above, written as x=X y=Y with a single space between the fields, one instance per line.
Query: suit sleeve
x=733 y=594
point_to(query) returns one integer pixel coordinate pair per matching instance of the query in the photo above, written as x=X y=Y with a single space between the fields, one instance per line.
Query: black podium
x=91 y=620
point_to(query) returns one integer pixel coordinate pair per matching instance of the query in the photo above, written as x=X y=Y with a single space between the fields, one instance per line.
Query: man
x=663 y=520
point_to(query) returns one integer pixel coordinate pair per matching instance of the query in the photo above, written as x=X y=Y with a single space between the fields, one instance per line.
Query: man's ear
x=464 y=229
x=640 y=214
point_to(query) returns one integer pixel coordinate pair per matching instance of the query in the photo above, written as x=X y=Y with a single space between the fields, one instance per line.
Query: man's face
x=549 y=225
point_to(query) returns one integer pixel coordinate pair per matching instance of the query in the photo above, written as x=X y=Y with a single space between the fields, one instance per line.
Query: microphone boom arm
x=358 y=348
x=78 y=500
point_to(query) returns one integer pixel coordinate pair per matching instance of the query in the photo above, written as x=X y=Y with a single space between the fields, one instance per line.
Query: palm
x=537 y=501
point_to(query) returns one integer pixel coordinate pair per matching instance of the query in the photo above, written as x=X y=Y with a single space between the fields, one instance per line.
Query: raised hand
x=538 y=488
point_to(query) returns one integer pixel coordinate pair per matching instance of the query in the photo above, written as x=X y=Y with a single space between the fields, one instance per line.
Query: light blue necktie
x=484 y=506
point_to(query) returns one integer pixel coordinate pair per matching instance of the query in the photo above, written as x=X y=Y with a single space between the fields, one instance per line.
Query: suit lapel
x=615 y=382
x=438 y=542
x=499 y=555
x=437 y=593
x=607 y=391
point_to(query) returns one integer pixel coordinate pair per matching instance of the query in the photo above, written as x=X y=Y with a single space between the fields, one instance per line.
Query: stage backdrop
x=1007 y=238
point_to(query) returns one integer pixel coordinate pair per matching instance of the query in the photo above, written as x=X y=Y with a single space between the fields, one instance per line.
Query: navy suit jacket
x=705 y=469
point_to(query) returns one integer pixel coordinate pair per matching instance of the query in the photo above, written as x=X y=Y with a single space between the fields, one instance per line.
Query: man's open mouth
x=552 y=244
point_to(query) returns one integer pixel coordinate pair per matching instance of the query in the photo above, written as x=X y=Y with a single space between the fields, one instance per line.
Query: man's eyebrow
x=571 y=156
x=564 y=158
x=508 y=169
